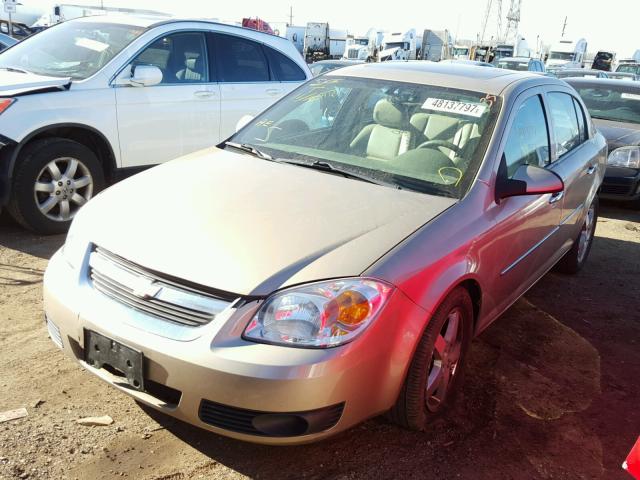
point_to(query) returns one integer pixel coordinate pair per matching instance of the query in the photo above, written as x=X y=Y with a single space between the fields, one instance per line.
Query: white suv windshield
x=417 y=137
x=71 y=49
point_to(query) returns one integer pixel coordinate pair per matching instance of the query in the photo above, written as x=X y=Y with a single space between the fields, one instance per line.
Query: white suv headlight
x=625 y=157
x=319 y=315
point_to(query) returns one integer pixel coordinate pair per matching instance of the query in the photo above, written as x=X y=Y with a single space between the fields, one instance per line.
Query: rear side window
x=581 y=121
x=566 y=130
x=285 y=69
x=240 y=60
x=528 y=141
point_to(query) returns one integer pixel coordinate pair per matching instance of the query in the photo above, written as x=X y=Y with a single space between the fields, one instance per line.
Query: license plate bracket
x=101 y=351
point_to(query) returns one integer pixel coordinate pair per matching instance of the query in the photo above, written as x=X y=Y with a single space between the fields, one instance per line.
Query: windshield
x=561 y=56
x=519 y=66
x=70 y=49
x=461 y=51
x=615 y=103
x=629 y=69
x=404 y=45
x=417 y=137
x=361 y=41
x=320 y=68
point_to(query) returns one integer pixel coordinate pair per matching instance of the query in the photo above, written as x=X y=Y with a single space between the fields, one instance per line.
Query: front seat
x=388 y=136
x=192 y=71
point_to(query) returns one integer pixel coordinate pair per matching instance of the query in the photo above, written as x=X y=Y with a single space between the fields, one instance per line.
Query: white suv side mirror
x=145 y=76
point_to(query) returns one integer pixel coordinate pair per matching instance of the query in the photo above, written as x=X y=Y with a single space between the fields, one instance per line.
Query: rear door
x=252 y=76
x=574 y=159
x=178 y=116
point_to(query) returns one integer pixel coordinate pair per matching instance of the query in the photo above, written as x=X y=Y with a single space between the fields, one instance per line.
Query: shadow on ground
x=15 y=237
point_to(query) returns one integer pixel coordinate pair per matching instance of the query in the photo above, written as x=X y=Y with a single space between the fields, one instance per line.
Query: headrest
x=389 y=115
x=192 y=63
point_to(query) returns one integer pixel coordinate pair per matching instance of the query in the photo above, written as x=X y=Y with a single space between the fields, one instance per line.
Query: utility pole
x=291 y=15
x=564 y=26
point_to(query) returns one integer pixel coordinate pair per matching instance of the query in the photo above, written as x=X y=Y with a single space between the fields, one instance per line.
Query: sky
x=613 y=25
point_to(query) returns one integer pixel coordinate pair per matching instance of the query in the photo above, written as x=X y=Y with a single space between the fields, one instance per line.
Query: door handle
x=273 y=91
x=556 y=197
x=204 y=93
x=592 y=169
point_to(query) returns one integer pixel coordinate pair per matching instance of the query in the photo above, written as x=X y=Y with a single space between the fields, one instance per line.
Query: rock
x=37 y=403
x=95 y=421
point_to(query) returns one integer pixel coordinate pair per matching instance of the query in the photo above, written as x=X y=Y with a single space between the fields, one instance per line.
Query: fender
x=9 y=155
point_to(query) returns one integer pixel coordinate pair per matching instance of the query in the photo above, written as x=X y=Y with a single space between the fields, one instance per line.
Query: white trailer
x=337 y=42
x=398 y=46
x=436 y=45
x=296 y=36
x=567 y=54
x=316 y=42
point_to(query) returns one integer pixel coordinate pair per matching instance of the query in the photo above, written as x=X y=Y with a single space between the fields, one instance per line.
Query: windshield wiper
x=245 y=147
x=14 y=69
x=327 y=167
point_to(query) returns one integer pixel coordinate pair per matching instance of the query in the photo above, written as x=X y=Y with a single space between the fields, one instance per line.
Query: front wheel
x=575 y=258
x=53 y=179
x=437 y=365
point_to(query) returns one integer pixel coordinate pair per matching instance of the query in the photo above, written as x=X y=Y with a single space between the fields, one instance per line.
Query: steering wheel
x=435 y=144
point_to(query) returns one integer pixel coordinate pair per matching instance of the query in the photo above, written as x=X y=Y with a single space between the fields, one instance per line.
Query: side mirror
x=145 y=76
x=243 y=121
x=528 y=180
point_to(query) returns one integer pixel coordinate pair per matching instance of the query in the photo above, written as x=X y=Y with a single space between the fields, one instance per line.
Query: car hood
x=618 y=134
x=236 y=223
x=14 y=83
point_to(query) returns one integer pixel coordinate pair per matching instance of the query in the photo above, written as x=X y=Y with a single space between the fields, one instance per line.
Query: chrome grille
x=148 y=292
x=54 y=332
x=353 y=53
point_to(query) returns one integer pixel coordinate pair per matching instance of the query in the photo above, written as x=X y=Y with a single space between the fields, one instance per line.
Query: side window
x=564 y=122
x=528 y=141
x=181 y=57
x=285 y=69
x=581 y=121
x=241 y=60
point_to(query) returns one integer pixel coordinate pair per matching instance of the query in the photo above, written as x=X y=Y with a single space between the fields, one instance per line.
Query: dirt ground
x=551 y=392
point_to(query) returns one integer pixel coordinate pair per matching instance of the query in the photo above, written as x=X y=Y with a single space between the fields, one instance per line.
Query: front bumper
x=211 y=370
x=621 y=183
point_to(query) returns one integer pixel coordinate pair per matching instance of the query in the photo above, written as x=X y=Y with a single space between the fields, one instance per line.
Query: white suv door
x=252 y=76
x=178 y=116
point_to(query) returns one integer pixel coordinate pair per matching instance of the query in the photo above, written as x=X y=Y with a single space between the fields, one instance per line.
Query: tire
x=45 y=199
x=574 y=259
x=415 y=408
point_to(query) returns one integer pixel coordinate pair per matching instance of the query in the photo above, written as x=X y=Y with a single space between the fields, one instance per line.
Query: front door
x=178 y=116
x=525 y=237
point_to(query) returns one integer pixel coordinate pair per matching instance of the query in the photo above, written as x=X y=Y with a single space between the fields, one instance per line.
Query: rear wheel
x=53 y=179
x=437 y=365
x=575 y=258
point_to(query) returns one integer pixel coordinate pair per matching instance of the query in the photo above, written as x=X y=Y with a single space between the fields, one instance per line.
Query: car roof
x=631 y=84
x=455 y=75
x=515 y=59
x=155 y=20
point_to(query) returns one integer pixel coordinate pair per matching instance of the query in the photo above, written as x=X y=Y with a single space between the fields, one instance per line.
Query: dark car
x=614 y=106
x=603 y=61
x=521 y=64
x=324 y=66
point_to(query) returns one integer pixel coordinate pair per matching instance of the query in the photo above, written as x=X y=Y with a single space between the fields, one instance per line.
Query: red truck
x=257 y=24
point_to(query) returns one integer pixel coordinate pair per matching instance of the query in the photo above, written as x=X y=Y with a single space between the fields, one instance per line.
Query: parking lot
x=551 y=392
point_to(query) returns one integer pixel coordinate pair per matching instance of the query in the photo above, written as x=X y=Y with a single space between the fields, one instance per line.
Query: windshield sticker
x=452 y=106
x=94 y=45
x=630 y=96
x=447 y=172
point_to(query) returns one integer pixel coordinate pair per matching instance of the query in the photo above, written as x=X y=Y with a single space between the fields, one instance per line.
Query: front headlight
x=75 y=246
x=625 y=157
x=324 y=314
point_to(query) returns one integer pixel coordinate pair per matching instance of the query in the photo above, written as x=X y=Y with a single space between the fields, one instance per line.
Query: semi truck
x=567 y=54
x=295 y=34
x=436 y=45
x=398 y=46
x=364 y=47
x=337 y=43
x=316 y=42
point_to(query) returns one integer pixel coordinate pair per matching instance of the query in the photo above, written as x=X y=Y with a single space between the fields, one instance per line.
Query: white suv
x=91 y=100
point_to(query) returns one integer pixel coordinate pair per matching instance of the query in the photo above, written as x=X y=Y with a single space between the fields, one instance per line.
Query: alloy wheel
x=444 y=361
x=62 y=187
x=586 y=234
